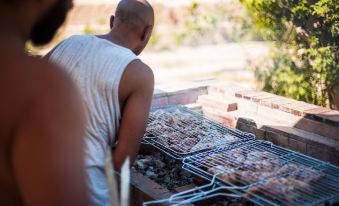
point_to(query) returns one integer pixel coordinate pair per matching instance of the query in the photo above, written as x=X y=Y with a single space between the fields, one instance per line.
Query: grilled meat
x=263 y=171
x=184 y=132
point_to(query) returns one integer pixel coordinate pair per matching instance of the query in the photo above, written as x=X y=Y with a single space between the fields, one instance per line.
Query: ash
x=164 y=170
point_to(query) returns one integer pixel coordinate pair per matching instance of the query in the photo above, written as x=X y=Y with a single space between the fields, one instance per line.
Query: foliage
x=305 y=61
x=215 y=23
x=198 y=26
x=154 y=40
x=88 y=30
x=241 y=27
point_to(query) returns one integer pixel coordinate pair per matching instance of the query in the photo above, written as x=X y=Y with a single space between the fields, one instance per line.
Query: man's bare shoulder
x=137 y=78
x=52 y=100
x=48 y=74
x=24 y=79
x=41 y=79
x=29 y=83
x=52 y=85
x=139 y=74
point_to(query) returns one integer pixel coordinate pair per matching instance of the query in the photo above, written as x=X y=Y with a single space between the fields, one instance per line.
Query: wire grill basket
x=262 y=173
x=180 y=132
x=237 y=166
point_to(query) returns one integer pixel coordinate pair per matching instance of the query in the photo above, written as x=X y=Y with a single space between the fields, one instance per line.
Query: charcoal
x=159 y=164
x=185 y=174
x=161 y=174
x=158 y=156
x=175 y=171
x=169 y=173
x=150 y=174
x=163 y=170
x=167 y=179
x=141 y=164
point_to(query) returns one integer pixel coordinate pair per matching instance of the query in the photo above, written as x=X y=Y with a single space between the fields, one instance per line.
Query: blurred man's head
x=135 y=17
x=49 y=22
x=37 y=20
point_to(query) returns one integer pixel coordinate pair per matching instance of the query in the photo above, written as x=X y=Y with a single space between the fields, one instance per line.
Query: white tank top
x=96 y=65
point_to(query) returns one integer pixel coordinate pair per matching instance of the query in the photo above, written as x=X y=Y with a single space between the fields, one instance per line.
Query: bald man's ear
x=111 y=22
x=147 y=33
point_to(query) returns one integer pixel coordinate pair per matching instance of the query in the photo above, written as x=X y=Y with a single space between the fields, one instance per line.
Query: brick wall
x=302 y=127
x=182 y=94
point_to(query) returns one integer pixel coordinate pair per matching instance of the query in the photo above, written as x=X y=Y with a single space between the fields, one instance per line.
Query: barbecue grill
x=192 y=121
x=261 y=172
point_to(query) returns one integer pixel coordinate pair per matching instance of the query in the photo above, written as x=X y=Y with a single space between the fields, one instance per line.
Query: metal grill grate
x=265 y=174
x=180 y=132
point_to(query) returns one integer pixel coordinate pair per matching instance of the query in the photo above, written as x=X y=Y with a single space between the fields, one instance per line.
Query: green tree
x=304 y=62
x=199 y=26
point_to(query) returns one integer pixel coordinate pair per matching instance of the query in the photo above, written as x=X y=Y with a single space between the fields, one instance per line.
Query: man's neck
x=117 y=39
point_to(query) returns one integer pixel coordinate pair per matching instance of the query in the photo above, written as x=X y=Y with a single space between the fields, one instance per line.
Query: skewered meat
x=249 y=173
x=282 y=187
x=263 y=171
x=223 y=172
x=215 y=159
x=184 y=132
x=158 y=126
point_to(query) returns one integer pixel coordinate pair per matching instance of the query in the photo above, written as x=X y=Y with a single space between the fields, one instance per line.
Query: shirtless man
x=41 y=133
x=116 y=86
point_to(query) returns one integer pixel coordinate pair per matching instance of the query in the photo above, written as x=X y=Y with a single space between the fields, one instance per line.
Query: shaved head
x=135 y=14
x=132 y=25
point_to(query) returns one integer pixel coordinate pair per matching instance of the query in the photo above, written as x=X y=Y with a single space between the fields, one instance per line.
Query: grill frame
x=218 y=187
x=242 y=191
x=241 y=136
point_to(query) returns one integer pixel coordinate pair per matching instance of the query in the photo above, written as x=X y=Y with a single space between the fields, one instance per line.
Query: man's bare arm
x=139 y=77
x=48 y=149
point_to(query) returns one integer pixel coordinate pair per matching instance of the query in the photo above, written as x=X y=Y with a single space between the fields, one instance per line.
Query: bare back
x=40 y=134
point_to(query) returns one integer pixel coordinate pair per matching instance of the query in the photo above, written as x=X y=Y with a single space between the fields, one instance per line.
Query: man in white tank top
x=116 y=86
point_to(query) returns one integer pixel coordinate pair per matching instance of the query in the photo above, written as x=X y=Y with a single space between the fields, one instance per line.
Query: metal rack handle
x=196 y=194
x=204 y=195
x=194 y=197
x=145 y=141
